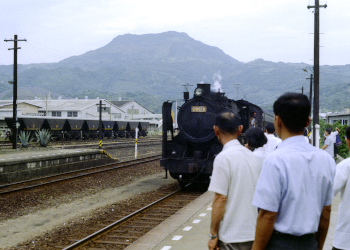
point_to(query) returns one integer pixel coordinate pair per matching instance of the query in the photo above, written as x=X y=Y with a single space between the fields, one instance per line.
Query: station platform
x=49 y=153
x=24 y=164
x=188 y=229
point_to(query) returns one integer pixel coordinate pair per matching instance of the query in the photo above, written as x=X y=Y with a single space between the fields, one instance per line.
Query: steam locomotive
x=188 y=151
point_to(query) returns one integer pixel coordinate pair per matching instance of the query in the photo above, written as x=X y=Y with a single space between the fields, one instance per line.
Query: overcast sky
x=274 y=30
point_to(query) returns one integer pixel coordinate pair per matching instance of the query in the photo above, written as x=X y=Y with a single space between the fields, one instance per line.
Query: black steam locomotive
x=189 y=151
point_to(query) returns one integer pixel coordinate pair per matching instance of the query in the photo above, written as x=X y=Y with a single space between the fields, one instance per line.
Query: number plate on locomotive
x=199 y=109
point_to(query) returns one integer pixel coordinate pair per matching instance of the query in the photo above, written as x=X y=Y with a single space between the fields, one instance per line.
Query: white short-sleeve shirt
x=342 y=185
x=272 y=143
x=235 y=174
x=296 y=181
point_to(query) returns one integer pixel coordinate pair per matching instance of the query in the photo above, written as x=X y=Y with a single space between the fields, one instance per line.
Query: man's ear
x=308 y=122
x=278 y=121
x=240 y=129
x=216 y=130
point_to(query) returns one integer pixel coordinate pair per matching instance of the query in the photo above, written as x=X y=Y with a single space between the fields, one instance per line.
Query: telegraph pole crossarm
x=14 y=118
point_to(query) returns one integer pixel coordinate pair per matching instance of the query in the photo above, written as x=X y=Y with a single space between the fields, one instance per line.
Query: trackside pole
x=136 y=141
x=317 y=136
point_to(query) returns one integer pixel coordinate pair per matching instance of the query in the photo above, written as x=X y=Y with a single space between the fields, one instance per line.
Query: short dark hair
x=228 y=122
x=270 y=128
x=328 y=130
x=255 y=137
x=294 y=110
x=347 y=132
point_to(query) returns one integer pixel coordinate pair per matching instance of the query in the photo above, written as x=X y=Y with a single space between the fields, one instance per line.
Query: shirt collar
x=292 y=140
x=232 y=143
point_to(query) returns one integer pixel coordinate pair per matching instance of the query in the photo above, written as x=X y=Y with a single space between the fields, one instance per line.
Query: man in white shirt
x=272 y=140
x=342 y=185
x=295 y=188
x=330 y=140
x=235 y=174
x=256 y=141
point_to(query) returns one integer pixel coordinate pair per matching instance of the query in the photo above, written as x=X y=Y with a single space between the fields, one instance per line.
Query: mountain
x=152 y=68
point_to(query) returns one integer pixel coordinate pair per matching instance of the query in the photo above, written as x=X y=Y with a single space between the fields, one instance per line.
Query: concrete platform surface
x=188 y=229
x=28 y=155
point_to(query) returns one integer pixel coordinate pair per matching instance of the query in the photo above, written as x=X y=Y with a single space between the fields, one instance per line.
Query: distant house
x=6 y=110
x=23 y=108
x=343 y=117
x=78 y=108
x=63 y=108
x=135 y=111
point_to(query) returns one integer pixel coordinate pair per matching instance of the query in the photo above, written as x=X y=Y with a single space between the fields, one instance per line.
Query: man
x=330 y=140
x=294 y=192
x=256 y=141
x=272 y=140
x=342 y=185
x=253 y=120
x=236 y=172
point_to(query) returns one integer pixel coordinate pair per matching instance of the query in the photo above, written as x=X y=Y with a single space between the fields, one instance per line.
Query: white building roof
x=67 y=104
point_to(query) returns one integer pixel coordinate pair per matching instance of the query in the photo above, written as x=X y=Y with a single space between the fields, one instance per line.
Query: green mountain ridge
x=153 y=68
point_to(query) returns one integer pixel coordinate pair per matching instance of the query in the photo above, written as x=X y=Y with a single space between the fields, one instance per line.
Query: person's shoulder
x=344 y=163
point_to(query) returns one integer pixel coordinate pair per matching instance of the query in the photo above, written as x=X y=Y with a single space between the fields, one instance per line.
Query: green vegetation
x=43 y=137
x=343 y=150
x=25 y=138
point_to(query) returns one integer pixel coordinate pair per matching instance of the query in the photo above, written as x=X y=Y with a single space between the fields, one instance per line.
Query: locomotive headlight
x=198 y=92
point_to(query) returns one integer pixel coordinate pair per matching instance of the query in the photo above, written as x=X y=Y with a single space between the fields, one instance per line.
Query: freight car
x=67 y=129
x=188 y=151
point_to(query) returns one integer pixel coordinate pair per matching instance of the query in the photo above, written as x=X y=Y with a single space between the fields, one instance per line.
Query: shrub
x=43 y=137
x=25 y=138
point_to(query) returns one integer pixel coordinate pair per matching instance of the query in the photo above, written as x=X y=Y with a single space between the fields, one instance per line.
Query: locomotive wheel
x=182 y=182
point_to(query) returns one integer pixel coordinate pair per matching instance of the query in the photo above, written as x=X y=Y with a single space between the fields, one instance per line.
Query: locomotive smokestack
x=205 y=87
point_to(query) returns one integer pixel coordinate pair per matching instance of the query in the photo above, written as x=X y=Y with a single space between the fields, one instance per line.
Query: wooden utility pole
x=100 y=125
x=14 y=116
x=316 y=112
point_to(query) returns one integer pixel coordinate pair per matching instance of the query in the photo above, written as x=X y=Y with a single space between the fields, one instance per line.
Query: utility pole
x=100 y=132
x=311 y=78
x=14 y=116
x=316 y=112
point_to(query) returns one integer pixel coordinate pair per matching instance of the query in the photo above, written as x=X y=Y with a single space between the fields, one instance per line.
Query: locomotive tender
x=188 y=153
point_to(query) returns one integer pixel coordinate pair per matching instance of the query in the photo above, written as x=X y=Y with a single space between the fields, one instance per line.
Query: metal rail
x=109 y=227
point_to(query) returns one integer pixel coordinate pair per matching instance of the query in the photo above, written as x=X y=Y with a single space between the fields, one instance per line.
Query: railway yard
x=57 y=212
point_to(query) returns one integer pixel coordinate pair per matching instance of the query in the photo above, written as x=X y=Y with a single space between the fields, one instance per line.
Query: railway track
x=93 y=143
x=131 y=227
x=39 y=182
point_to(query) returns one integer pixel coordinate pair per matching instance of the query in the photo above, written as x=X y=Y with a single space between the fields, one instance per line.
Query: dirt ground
x=30 y=226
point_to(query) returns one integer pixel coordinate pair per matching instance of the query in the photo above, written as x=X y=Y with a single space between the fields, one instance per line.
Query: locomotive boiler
x=188 y=152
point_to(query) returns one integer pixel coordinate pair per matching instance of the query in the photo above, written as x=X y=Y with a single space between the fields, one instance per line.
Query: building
x=343 y=117
x=84 y=109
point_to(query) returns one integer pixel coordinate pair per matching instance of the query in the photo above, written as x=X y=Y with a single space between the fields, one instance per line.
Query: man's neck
x=227 y=139
x=285 y=134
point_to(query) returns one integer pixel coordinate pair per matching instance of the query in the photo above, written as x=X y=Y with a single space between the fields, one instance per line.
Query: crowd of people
x=276 y=192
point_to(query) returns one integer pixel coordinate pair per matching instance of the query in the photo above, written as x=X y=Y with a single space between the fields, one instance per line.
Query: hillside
x=153 y=68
